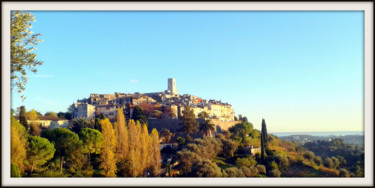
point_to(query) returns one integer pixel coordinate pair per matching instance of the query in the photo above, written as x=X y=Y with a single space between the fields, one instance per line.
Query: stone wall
x=175 y=126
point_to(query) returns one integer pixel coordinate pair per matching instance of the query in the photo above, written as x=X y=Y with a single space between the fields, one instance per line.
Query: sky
x=300 y=71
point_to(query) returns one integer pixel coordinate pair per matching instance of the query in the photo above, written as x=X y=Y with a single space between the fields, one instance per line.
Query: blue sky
x=301 y=71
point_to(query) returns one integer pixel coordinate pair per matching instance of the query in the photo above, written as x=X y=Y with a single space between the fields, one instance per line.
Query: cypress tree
x=263 y=140
x=22 y=117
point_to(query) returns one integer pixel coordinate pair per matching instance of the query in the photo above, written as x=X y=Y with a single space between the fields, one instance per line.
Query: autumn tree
x=156 y=152
x=23 y=117
x=157 y=114
x=18 y=144
x=121 y=133
x=92 y=141
x=133 y=143
x=263 y=140
x=39 y=151
x=147 y=108
x=189 y=123
x=107 y=157
x=207 y=127
x=22 y=46
x=166 y=135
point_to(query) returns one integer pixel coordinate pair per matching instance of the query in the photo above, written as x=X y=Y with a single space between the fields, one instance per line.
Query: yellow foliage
x=121 y=135
x=156 y=152
x=107 y=157
x=18 y=144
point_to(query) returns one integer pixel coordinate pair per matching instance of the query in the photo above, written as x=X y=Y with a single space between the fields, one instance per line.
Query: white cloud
x=134 y=81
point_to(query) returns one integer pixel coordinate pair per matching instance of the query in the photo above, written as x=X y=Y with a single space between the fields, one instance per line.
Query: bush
x=234 y=172
x=344 y=173
x=250 y=171
x=245 y=162
x=261 y=169
x=205 y=168
x=328 y=163
x=318 y=160
x=274 y=173
x=309 y=155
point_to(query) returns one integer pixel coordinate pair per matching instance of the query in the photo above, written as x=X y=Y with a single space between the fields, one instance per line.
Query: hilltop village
x=157 y=105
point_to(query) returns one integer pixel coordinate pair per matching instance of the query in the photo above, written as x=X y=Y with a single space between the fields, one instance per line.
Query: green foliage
x=157 y=114
x=344 y=173
x=205 y=168
x=181 y=141
x=78 y=124
x=234 y=172
x=189 y=123
x=39 y=151
x=23 y=118
x=22 y=45
x=229 y=147
x=14 y=171
x=92 y=141
x=52 y=114
x=263 y=140
x=309 y=155
x=206 y=148
x=186 y=159
x=18 y=144
x=261 y=169
x=138 y=115
x=246 y=162
x=166 y=135
x=203 y=115
x=329 y=163
x=282 y=161
x=207 y=127
x=274 y=173
x=67 y=145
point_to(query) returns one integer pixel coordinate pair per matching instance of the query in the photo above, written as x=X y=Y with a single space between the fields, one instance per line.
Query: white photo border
x=367 y=7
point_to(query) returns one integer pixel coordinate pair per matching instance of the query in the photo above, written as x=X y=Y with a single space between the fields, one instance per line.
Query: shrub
x=249 y=171
x=274 y=173
x=328 y=163
x=261 y=169
x=309 y=155
x=245 y=162
x=234 y=172
x=344 y=173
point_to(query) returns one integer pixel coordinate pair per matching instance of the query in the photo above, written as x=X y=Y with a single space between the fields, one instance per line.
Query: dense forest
x=126 y=148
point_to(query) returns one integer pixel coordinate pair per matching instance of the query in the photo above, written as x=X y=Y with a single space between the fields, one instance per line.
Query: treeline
x=101 y=149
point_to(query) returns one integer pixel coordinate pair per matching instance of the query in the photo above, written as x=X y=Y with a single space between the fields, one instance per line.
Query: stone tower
x=172 y=86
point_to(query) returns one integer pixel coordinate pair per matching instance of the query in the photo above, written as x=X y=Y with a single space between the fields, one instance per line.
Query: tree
x=78 y=124
x=138 y=115
x=263 y=140
x=203 y=115
x=166 y=135
x=156 y=152
x=23 y=43
x=67 y=144
x=122 y=135
x=239 y=117
x=229 y=147
x=23 y=118
x=39 y=151
x=18 y=144
x=107 y=157
x=157 y=114
x=328 y=163
x=92 y=141
x=52 y=114
x=189 y=123
x=205 y=168
x=207 y=127
x=147 y=108
x=244 y=119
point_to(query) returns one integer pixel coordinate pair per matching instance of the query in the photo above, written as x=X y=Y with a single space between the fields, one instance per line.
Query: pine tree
x=107 y=157
x=263 y=139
